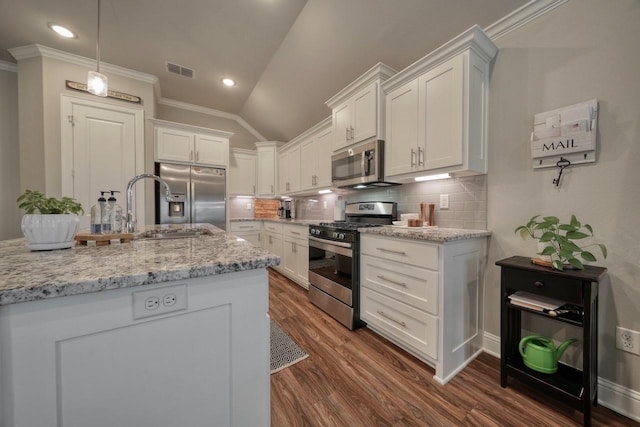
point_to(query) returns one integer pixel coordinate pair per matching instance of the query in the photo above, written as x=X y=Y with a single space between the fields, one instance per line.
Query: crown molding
x=211 y=112
x=379 y=71
x=191 y=128
x=34 y=50
x=8 y=66
x=520 y=17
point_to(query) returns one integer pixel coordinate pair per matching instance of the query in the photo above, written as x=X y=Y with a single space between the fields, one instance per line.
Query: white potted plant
x=49 y=223
x=557 y=244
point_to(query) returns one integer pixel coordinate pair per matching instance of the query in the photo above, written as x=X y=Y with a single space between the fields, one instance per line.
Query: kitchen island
x=153 y=332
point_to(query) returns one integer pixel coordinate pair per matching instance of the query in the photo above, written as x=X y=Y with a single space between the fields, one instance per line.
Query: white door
x=364 y=120
x=401 y=143
x=102 y=149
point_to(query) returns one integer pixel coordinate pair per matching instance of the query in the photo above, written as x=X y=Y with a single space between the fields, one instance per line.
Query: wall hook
x=562 y=163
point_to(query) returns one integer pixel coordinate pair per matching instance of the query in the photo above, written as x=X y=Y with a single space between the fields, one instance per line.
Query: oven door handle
x=326 y=244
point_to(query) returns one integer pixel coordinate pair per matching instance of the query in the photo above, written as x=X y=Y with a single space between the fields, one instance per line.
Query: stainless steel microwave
x=359 y=167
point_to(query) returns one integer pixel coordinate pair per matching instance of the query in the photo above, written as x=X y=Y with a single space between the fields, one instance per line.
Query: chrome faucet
x=130 y=227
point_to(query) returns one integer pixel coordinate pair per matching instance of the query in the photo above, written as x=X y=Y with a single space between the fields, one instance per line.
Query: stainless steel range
x=334 y=259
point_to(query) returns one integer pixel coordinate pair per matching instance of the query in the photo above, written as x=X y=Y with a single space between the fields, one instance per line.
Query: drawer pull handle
x=245 y=226
x=392 y=251
x=539 y=284
x=294 y=232
x=383 y=314
x=381 y=277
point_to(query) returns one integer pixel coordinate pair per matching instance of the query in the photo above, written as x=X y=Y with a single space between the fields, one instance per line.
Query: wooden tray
x=102 y=239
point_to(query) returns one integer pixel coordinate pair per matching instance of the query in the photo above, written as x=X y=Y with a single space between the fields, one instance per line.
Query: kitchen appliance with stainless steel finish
x=334 y=259
x=198 y=195
x=360 y=167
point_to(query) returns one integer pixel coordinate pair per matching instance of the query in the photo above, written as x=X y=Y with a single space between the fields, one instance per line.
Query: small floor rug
x=284 y=351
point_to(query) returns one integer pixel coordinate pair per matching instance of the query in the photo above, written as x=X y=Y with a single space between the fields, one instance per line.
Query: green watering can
x=540 y=354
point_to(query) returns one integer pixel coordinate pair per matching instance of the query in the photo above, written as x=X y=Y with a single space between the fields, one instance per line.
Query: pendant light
x=97 y=82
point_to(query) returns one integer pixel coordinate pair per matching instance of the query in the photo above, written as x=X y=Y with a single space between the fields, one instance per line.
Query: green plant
x=33 y=200
x=559 y=240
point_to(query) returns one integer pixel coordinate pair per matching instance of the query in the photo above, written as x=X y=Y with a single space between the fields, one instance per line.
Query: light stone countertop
x=438 y=235
x=294 y=221
x=30 y=276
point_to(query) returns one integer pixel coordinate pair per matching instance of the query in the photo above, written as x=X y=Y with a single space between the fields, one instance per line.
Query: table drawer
x=550 y=285
x=415 y=286
x=409 y=325
x=401 y=250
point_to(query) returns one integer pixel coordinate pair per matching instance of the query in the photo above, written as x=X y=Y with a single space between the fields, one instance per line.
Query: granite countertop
x=438 y=235
x=30 y=276
x=294 y=221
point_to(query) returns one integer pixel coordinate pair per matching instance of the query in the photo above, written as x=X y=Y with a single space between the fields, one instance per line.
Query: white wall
x=582 y=50
x=9 y=156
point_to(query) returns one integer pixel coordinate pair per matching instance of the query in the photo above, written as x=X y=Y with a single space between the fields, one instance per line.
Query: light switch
x=444 y=201
x=248 y=206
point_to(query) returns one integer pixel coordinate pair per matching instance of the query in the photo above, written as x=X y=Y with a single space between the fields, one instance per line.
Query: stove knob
x=341 y=236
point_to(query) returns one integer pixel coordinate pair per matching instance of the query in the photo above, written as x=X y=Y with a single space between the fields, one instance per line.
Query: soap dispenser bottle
x=97 y=215
x=116 y=213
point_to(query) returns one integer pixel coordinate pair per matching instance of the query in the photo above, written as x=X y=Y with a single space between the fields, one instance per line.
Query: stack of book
x=535 y=302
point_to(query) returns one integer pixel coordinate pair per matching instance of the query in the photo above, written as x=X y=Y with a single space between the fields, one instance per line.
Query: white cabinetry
x=295 y=257
x=267 y=160
x=180 y=143
x=242 y=172
x=85 y=360
x=436 y=110
x=425 y=297
x=271 y=240
x=357 y=110
x=289 y=170
x=315 y=157
x=248 y=230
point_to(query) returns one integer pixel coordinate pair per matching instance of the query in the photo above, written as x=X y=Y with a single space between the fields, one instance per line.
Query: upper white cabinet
x=177 y=142
x=289 y=170
x=436 y=110
x=242 y=172
x=315 y=157
x=267 y=163
x=357 y=110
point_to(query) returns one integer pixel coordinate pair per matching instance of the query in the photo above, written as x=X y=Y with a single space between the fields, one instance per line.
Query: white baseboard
x=619 y=399
x=622 y=400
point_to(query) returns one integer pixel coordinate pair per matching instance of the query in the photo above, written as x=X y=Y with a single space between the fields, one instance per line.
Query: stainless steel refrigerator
x=198 y=195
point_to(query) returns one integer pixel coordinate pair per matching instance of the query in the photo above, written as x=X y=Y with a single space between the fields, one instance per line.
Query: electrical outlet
x=444 y=201
x=154 y=302
x=628 y=340
x=248 y=206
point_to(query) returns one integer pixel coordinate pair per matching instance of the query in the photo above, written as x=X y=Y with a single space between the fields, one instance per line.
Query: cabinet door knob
x=539 y=284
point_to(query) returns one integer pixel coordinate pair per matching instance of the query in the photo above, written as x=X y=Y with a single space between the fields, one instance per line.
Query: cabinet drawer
x=409 y=325
x=295 y=231
x=565 y=289
x=401 y=250
x=273 y=227
x=237 y=226
x=415 y=286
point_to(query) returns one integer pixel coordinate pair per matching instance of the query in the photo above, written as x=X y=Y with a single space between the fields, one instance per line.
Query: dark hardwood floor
x=356 y=378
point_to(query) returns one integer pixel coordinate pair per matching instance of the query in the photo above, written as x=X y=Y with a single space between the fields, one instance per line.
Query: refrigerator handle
x=192 y=214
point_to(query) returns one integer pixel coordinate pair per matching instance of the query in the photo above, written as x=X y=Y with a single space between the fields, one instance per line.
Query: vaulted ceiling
x=287 y=56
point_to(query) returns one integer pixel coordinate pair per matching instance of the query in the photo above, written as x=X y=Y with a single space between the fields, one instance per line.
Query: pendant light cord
x=98 y=41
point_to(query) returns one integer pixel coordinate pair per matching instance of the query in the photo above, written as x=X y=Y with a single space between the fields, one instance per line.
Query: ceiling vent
x=180 y=70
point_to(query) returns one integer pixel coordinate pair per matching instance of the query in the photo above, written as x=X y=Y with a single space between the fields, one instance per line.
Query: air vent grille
x=180 y=70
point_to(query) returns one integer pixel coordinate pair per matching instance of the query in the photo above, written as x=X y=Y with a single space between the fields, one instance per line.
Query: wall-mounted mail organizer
x=566 y=136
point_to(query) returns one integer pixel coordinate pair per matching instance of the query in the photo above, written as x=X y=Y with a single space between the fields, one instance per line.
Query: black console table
x=579 y=288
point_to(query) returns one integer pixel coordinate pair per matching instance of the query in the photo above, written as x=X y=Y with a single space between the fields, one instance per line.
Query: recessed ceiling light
x=62 y=31
x=228 y=82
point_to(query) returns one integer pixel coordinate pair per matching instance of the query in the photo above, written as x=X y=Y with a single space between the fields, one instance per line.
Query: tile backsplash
x=467 y=202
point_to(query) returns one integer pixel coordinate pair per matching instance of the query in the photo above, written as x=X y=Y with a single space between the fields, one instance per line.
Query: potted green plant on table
x=557 y=241
x=49 y=223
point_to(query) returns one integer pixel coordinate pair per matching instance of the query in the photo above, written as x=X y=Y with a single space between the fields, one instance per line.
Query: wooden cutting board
x=102 y=239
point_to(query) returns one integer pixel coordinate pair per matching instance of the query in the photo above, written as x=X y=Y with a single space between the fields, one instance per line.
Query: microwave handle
x=367 y=158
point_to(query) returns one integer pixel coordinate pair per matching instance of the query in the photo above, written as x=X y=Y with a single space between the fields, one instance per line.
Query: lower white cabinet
x=248 y=230
x=295 y=248
x=271 y=240
x=425 y=297
x=86 y=360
